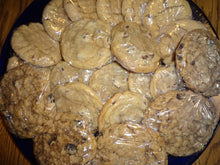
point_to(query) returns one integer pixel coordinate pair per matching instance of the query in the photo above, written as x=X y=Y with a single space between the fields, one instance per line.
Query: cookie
x=110 y=11
x=123 y=107
x=133 y=10
x=64 y=73
x=14 y=62
x=170 y=36
x=28 y=105
x=131 y=143
x=198 y=61
x=79 y=99
x=134 y=48
x=184 y=119
x=86 y=44
x=80 y=9
x=54 y=19
x=70 y=143
x=140 y=83
x=165 y=78
x=109 y=80
x=159 y=13
x=32 y=44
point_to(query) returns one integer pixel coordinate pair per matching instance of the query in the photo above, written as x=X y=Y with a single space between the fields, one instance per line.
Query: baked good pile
x=112 y=82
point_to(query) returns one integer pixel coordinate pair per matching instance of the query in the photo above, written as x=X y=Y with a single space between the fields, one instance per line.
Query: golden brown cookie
x=79 y=99
x=184 y=119
x=32 y=44
x=131 y=143
x=165 y=78
x=134 y=48
x=109 y=80
x=64 y=73
x=110 y=11
x=80 y=9
x=140 y=83
x=86 y=44
x=28 y=105
x=162 y=12
x=70 y=143
x=54 y=19
x=123 y=107
x=198 y=61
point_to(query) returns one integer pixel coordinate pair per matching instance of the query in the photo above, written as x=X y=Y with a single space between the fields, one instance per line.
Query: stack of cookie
x=112 y=82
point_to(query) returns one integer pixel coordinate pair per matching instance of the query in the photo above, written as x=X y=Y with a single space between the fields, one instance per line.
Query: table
x=10 y=11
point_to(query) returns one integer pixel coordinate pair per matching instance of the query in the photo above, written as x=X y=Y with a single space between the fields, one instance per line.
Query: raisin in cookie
x=32 y=44
x=109 y=80
x=79 y=99
x=86 y=44
x=80 y=9
x=134 y=48
x=70 y=143
x=184 y=119
x=64 y=73
x=28 y=105
x=166 y=78
x=131 y=143
x=110 y=11
x=198 y=61
x=54 y=19
x=123 y=107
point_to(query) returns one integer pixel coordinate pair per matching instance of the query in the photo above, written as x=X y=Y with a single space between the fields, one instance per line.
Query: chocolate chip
x=181 y=46
x=113 y=102
x=127 y=26
x=71 y=149
x=180 y=58
x=96 y=133
x=193 y=62
x=148 y=56
x=51 y=98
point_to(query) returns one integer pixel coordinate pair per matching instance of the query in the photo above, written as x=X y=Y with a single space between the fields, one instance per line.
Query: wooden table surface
x=10 y=11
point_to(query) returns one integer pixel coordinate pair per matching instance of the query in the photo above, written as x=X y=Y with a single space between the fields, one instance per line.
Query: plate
x=33 y=13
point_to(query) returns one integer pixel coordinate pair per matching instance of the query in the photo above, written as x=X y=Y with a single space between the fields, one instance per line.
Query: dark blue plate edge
x=26 y=145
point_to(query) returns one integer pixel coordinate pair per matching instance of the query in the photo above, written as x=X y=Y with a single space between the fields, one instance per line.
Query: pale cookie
x=86 y=44
x=109 y=80
x=131 y=143
x=32 y=44
x=159 y=13
x=140 y=83
x=55 y=19
x=14 y=62
x=123 y=107
x=134 y=48
x=133 y=10
x=80 y=9
x=28 y=105
x=166 y=78
x=184 y=119
x=110 y=11
x=198 y=60
x=171 y=35
x=64 y=73
x=70 y=143
x=79 y=99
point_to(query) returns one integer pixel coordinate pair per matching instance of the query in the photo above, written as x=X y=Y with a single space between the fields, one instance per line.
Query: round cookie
x=123 y=107
x=131 y=143
x=109 y=80
x=140 y=83
x=134 y=48
x=170 y=36
x=133 y=10
x=110 y=11
x=54 y=19
x=70 y=143
x=159 y=13
x=64 y=73
x=32 y=44
x=28 y=105
x=198 y=61
x=86 y=44
x=165 y=78
x=80 y=9
x=184 y=119
x=79 y=99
